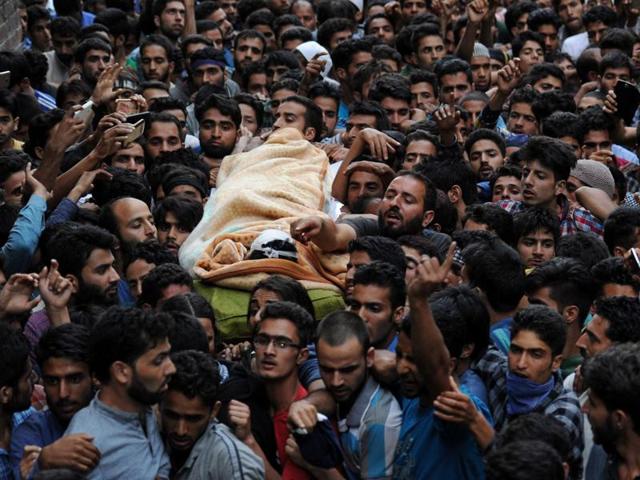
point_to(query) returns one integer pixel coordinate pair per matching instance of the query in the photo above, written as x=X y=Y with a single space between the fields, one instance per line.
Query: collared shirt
x=219 y=454
x=572 y=218
x=500 y=334
x=561 y=404
x=369 y=432
x=129 y=443
x=6 y=471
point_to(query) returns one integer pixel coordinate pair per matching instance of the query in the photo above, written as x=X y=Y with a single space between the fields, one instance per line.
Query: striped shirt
x=369 y=432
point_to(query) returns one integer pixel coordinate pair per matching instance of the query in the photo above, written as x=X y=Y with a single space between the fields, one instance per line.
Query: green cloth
x=569 y=365
x=230 y=307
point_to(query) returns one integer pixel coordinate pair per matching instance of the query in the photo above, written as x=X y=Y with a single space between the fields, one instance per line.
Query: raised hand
x=477 y=10
x=509 y=76
x=112 y=140
x=103 y=92
x=67 y=132
x=36 y=187
x=447 y=118
x=306 y=229
x=430 y=275
x=380 y=144
x=15 y=296
x=240 y=417
x=84 y=185
x=55 y=289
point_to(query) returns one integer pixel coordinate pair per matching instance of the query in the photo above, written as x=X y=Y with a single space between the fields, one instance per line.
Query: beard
x=605 y=436
x=412 y=227
x=141 y=394
x=216 y=151
x=89 y=294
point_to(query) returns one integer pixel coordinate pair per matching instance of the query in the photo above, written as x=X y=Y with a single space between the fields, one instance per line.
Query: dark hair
x=185 y=176
x=384 y=275
x=35 y=13
x=17 y=64
x=422 y=244
x=296 y=33
x=600 y=13
x=163 y=104
x=327 y=9
x=542 y=70
x=391 y=85
x=282 y=57
x=39 y=129
x=446 y=173
x=161 y=41
x=184 y=157
x=160 y=278
x=622 y=315
x=342 y=55
x=187 y=333
x=75 y=86
x=151 y=252
x=69 y=341
x=197 y=375
x=14 y=354
x=534 y=219
x=312 y=114
x=613 y=376
x=552 y=154
x=188 y=212
x=249 y=34
x=485 y=134
x=226 y=106
x=338 y=327
x=620 y=181
x=11 y=161
x=543 y=16
x=594 y=119
x=294 y=313
x=424 y=30
x=452 y=67
x=426 y=76
x=90 y=44
x=288 y=289
x=124 y=334
x=515 y=11
x=157 y=84
x=494 y=217
x=373 y=109
x=497 y=270
x=618 y=39
x=545 y=322
x=380 y=248
x=560 y=124
x=253 y=103
x=537 y=426
x=84 y=238
x=160 y=5
x=526 y=36
x=283 y=21
x=122 y=184
x=569 y=283
x=259 y=17
x=505 y=171
x=584 y=246
x=613 y=270
x=385 y=52
x=588 y=62
x=525 y=460
x=115 y=20
x=620 y=228
x=207 y=25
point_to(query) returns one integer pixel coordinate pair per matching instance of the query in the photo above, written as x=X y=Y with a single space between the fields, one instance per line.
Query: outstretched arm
x=324 y=232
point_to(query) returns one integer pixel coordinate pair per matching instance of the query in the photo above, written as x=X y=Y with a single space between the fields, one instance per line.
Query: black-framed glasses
x=281 y=343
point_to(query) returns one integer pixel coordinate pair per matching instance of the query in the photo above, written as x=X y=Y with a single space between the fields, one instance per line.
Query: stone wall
x=9 y=25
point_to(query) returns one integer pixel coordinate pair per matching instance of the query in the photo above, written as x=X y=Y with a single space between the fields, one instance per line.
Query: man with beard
x=93 y=56
x=130 y=220
x=248 y=48
x=406 y=209
x=156 y=59
x=613 y=379
x=64 y=35
x=9 y=121
x=220 y=119
x=198 y=445
x=16 y=386
x=63 y=357
x=368 y=415
x=129 y=356
x=176 y=217
x=169 y=17
x=85 y=258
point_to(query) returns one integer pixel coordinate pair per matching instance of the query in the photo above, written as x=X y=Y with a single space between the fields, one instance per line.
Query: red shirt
x=290 y=471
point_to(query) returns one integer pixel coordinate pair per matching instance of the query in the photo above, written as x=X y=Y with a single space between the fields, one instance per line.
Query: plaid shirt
x=561 y=404
x=572 y=218
x=6 y=473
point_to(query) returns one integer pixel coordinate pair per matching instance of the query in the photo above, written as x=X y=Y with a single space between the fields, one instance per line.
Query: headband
x=208 y=61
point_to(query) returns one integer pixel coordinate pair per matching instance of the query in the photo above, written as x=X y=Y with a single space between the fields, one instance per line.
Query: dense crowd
x=333 y=239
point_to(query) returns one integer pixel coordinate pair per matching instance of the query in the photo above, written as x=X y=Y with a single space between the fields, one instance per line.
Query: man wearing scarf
x=528 y=378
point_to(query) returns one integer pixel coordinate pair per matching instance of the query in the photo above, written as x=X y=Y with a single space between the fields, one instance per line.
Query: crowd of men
x=484 y=175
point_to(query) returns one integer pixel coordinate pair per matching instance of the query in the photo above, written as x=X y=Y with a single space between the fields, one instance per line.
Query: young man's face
x=611 y=76
x=594 y=337
x=355 y=124
x=548 y=84
x=67 y=384
x=343 y=368
x=402 y=208
x=130 y=159
x=453 y=87
x=411 y=381
x=372 y=303
x=485 y=158
x=357 y=60
x=363 y=185
x=135 y=221
x=422 y=94
x=249 y=118
x=522 y=120
x=155 y=64
x=595 y=31
x=532 y=53
x=474 y=108
x=21 y=398
x=481 y=71
x=550 y=34
x=249 y=50
x=539 y=184
x=64 y=46
x=99 y=275
x=171 y=21
x=218 y=134
x=430 y=50
x=8 y=125
x=135 y=273
x=291 y=114
x=269 y=34
x=95 y=62
x=604 y=433
x=162 y=137
x=383 y=29
x=184 y=420
x=151 y=374
x=356 y=258
x=279 y=359
x=329 y=107
x=397 y=110
x=338 y=37
x=208 y=74
x=570 y=12
x=531 y=358
x=418 y=151
x=596 y=141
x=257 y=85
x=507 y=188
x=304 y=12
x=41 y=35
x=411 y=8
x=536 y=248
x=171 y=233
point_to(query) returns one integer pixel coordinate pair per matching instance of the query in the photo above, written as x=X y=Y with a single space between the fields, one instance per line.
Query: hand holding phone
x=138 y=130
x=628 y=100
x=126 y=106
x=85 y=113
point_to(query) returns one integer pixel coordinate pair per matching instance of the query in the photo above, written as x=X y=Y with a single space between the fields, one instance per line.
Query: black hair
x=584 y=246
x=526 y=36
x=588 y=62
x=288 y=289
x=560 y=124
x=285 y=20
x=338 y=327
x=75 y=86
x=160 y=5
x=426 y=76
x=249 y=34
x=613 y=376
x=507 y=170
x=452 y=67
x=294 y=313
x=621 y=313
x=373 y=109
x=594 y=119
x=122 y=184
x=157 y=84
x=161 y=41
x=39 y=129
x=515 y=11
x=613 y=270
x=620 y=181
x=12 y=161
x=284 y=84
x=524 y=460
x=618 y=39
x=151 y=252
x=246 y=7
x=327 y=9
x=185 y=176
x=423 y=245
x=160 y=278
x=35 y=13
x=485 y=134
x=254 y=104
x=497 y=270
x=185 y=157
x=188 y=212
x=197 y=375
x=600 y=13
x=312 y=114
x=542 y=70
x=534 y=219
x=164 y=104
x=380 y=248
x=187 y=333
x=90 y=44
x=537 y=426
x=296 y=33
x=282 y=57
x=384 y=275
x=620 y=228
x=69 y=341
x=124 y=334
x=115 y=20
x=424 y=30
x=342 y=55
x=446 y=173
x=207 y=25
x=545 y=322
x=226 y=106
x=14 y=355
x=496 y=219
x=259 y=17
x=569 y=283
x=65 y=27
x=17 y=64
x=543 y=16
x=385 y=52
x=552 y=154
x=192 y=40
x=208 y=53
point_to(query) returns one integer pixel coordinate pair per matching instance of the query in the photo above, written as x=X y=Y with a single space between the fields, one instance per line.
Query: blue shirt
x=45 y=101
x=432 y=449
x=471 y=382
x=343 y=116
x=500 y=334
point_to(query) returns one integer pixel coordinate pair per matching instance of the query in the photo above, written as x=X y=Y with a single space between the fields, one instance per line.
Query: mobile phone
x=628 y=99
x=136 y=117
x=5 y=79
x=138 y=130
x=126 y=106
x=86 y=113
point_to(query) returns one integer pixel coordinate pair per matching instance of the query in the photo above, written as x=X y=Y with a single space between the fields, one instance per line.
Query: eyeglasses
x=281 y=343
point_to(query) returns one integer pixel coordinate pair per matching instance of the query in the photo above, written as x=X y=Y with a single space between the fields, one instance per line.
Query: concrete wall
x=9 y=25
